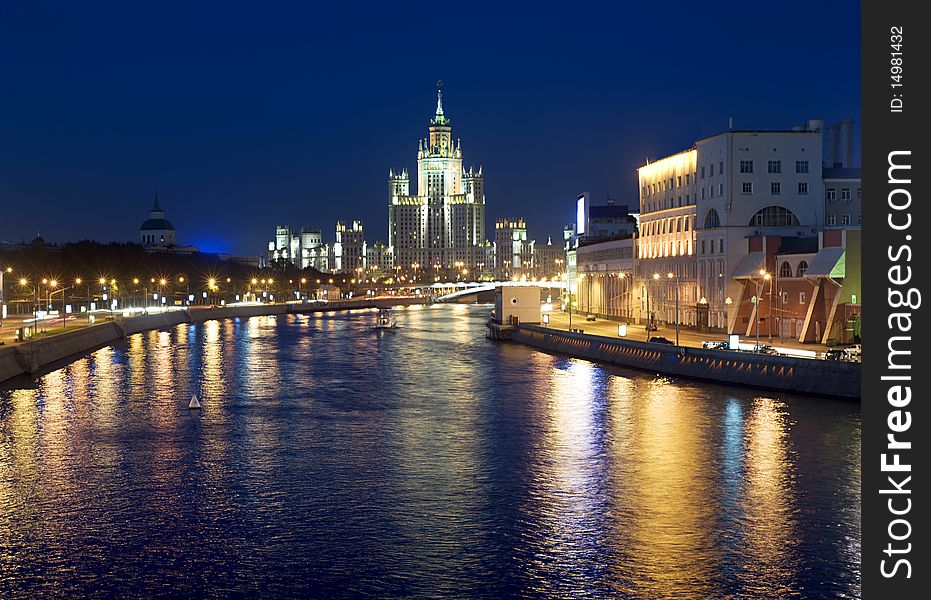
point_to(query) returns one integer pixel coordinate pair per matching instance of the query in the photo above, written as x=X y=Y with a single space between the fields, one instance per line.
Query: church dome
x=156 y=225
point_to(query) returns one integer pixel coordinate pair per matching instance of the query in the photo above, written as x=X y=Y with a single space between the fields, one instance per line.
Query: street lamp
x=649 y=313
x=671 y=275
x=764 y=277
x=2 y=273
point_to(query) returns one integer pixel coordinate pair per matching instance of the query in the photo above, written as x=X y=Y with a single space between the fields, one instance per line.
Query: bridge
x=451 y=292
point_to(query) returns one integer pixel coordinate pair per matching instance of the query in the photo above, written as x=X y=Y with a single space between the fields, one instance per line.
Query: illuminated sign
x=580 y=216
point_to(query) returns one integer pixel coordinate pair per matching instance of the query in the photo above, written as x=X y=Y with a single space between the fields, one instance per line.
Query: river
x=333 y=459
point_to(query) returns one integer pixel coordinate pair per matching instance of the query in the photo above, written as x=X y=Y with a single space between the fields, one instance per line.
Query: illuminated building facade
x=444 y=222
x=666 y=248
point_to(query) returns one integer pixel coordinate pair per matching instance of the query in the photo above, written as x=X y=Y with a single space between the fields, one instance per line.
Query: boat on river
x=385 y=319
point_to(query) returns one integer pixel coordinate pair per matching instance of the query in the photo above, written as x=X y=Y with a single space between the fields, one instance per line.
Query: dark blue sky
x=247 y=116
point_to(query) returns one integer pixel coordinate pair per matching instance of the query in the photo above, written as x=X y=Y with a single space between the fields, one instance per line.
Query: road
x=560 y=320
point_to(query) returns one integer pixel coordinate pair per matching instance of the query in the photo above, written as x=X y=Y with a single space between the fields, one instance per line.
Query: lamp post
x=649 y=313
x=2 y=293
x=671 y=275
x=764 y=276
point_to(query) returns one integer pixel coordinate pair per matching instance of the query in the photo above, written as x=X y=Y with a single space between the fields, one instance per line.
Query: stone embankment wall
x=779 y=373
x=37 y=354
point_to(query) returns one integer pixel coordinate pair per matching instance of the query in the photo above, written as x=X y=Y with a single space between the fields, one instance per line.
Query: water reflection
x=331 y=459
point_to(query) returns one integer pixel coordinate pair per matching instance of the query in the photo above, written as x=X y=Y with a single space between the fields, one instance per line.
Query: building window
x=801 y=297
x=775 y=188
x=746 y=166
x=859 y=219
x=785 y=270
x=686 y=179
x=845 y=194
x=774 y=166
x=800 y=272
x=711 y=221
x=830 y=194
x=831 y=219
x=803 y=188
x=801 y=166
x=858 y=194
x=679 y=180
x=845 y=219
x=774 y=216
x=747 y=187
x=711 y=170
x=703 y=172
x=720 y=189
x=702 y=193
x=721 y=168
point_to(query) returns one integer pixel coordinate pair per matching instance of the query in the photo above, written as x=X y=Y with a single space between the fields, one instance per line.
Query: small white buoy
x=194 y=403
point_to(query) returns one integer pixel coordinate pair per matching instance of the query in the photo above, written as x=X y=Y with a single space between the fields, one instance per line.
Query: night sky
x=247 y=116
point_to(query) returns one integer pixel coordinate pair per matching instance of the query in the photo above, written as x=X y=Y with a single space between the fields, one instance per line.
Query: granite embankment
x=778 y=373
x=39 y=354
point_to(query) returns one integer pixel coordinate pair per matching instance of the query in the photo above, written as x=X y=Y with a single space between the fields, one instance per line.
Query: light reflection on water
x=333 y=459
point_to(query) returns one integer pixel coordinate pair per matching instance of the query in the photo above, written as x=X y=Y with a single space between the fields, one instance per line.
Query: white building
x=444 y=222
x=157 y=231
x=752 y=183
x=304 y=249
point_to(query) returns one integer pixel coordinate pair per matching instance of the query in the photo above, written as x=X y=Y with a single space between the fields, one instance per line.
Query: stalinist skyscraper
x=444 y=222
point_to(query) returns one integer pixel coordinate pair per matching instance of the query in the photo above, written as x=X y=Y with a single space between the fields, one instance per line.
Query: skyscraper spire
x=439 y=99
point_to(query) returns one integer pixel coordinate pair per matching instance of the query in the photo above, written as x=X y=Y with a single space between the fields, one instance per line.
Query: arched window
x=785 y=270
x=802 y=267
x=711 y=219
x=774 y=216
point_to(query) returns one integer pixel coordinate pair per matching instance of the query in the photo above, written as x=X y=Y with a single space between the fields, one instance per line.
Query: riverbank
x=39 y=354
x=832 y=379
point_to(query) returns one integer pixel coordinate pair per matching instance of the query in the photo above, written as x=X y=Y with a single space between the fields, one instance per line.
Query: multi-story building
x=751 y=183
x=444 y=223
x=379 y=258
x=348 y=252
x=602 y=222
x=304 y=249
x=842 y=207
x=513 y=251
x=666 y=248
x=605 y=281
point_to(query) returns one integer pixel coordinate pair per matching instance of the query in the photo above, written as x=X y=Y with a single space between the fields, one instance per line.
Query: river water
x=331 y=459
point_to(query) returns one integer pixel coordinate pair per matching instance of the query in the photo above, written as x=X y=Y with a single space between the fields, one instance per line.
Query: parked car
x=590 y=318
x=855 y=351
x=764 y=349
x=715 y=345
x=660 y=340
x=836 y=354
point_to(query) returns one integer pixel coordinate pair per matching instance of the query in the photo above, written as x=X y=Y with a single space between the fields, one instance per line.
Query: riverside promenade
x=599 y=342
x=42 y=353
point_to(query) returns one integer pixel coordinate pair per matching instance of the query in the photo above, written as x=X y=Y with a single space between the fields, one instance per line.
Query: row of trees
x=90 y=269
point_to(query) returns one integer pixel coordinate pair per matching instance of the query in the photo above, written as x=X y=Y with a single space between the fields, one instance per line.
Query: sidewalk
x=687 y=337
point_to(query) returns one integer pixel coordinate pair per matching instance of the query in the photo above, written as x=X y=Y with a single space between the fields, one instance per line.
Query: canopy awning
x=829 y=262
x=750 y=266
